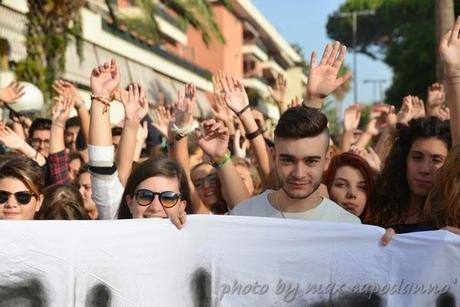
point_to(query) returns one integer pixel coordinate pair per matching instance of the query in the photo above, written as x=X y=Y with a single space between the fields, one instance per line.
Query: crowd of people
x=401 y=172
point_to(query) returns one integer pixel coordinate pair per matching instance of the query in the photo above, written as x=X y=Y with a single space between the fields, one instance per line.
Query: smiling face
x=206 y=182
x=155 y=209
x=349 y=190
x=12 y=209
x=300 y=164
x=424 y=158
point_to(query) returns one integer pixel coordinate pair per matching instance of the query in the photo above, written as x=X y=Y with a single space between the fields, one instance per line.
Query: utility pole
x=374 y=83
x=354 y=15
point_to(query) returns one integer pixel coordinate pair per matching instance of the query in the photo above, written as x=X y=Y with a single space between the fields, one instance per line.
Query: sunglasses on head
x=168 y=199
x=211 y=179
x=22 y=197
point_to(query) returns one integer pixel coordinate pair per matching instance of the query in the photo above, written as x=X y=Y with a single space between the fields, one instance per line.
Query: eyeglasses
x=211 y=179
x=168 y=199
x=37 y=141
x=22 y=197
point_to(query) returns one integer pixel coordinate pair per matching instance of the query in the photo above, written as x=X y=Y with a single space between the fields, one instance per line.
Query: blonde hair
x=443 y=203
x=252 y=171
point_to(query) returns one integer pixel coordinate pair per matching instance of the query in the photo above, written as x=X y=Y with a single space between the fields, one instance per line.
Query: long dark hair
x=393 y=193
x=151 y=168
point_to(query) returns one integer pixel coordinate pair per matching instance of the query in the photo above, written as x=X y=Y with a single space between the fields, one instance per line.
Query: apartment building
x=254 y=51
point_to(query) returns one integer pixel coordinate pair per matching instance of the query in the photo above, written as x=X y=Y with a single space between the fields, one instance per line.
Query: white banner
x=223 y=261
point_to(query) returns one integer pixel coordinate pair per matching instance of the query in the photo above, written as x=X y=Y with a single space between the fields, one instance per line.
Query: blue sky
x=304 y=22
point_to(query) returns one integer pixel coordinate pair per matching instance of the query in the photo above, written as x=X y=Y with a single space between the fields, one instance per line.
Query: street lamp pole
x=374 y=83
x=354 y=15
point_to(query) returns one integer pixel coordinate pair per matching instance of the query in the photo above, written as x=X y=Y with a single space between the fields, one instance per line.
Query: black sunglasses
x=168 y=199
x=211 y=179
x=22 y=197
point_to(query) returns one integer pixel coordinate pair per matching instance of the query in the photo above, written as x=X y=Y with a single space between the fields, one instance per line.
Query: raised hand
x=279 y=92
x=9 y=138
x=12 y=92
x=412 y=107
x=61 y=110
x=372 y=128
x=435 y=98
x=239 y=147
x=220 y=110
x=322 y=78
x=163 y=118
x=213 y=139
x=65 y=88
x=183 y=109
x=449 y=50
x=233 y=93
x=105 y=79
x=134 y=102
x=370 y=156
x=351 y=118
x=418 y=106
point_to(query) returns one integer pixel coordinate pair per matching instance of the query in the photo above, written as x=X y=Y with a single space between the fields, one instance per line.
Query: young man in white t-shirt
x=300 y=155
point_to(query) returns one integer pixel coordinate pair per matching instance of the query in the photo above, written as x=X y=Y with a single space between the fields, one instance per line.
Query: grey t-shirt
x=326 y=211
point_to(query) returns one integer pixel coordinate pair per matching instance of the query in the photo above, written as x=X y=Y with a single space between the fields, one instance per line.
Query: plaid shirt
x=58 y=167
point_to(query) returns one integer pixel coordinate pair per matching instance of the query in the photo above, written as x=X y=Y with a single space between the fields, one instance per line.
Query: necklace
x=278 y=205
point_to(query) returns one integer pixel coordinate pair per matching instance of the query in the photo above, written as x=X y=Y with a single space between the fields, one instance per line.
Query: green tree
x=50 y=26
x=401 y=33
x=195 y=13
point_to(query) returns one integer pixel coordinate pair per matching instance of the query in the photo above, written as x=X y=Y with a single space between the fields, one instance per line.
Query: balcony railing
x=156 y=48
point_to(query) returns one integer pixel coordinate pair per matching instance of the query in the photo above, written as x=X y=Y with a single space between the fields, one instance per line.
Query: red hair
x=354 y=161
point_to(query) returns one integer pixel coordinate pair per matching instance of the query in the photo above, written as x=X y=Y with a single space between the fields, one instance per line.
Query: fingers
x=344 y=78
x=388 y=236
x=455 y=30
x=326 y=54
x=341 y=57
x=332 y=57
x=313 y=59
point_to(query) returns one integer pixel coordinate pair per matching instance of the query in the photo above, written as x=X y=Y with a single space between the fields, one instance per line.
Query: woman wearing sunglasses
x=21 y=183
x=157 y=188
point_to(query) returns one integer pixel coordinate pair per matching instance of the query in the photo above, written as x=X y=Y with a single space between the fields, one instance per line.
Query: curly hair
x=393 y=192
x=443 y=203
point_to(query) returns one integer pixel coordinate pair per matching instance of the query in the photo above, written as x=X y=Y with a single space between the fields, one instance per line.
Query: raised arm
x=237 y=100
x=449 y=51
x=279 y=93
x=183 y=119
x=136 y=107
x=351 y=120
x=68 y=89
x=11 y=93
x=58 y=159
x=11 y=140
x=213 y=140
x=323 y=77
x=107 y=188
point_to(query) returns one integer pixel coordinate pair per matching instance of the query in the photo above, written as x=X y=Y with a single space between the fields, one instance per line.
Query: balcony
x=272 y=68
x=257 y=49
x=258 y=83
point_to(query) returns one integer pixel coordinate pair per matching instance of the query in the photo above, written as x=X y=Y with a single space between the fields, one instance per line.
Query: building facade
x=254 y=51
